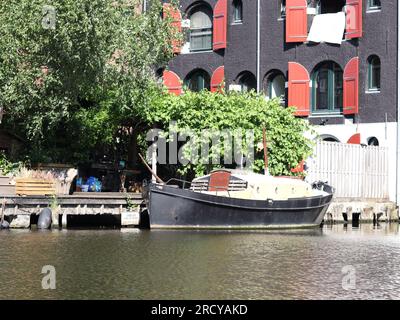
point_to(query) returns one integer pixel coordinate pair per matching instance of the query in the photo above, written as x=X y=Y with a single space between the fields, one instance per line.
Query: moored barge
x=230 y=199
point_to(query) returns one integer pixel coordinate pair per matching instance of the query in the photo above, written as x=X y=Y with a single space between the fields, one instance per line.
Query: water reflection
x=133 y=264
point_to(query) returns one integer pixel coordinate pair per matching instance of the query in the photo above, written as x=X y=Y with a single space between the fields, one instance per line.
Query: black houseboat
x=228 y=199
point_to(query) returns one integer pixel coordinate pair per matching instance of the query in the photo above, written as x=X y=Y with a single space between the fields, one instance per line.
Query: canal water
x=337 y=262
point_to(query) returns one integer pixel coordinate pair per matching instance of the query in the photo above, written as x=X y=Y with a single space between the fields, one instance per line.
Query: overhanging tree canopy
x=62 y=59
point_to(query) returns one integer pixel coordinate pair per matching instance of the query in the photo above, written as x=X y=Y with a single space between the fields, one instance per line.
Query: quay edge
x=344 y=210
x=19 y=209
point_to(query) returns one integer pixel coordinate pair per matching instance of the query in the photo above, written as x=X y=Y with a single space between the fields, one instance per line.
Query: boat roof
x=255 y=178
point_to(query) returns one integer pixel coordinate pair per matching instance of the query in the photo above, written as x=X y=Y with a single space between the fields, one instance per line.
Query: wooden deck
x=77 y=203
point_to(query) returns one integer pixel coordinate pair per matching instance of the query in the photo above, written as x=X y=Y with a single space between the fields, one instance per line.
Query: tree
x=286 y=134
x=63 y=61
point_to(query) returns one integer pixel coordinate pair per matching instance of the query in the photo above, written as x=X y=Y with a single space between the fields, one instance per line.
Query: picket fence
x=355 y=171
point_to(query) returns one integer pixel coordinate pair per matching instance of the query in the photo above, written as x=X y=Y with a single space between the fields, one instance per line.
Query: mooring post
x=54 y=217
x=3 y=209
x=64 y=220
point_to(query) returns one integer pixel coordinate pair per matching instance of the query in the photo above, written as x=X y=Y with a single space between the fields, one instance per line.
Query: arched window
x=247 y=81
x=274 y=86
x=327 y=87
x=159 y=75
x=374 y=4
x=200 y=28
x=329 y=138
x=197 y=80
x=373 y=141
x=374 y=73
x=237 y=11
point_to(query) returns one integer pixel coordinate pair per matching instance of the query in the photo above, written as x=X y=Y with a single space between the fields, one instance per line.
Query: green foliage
x=54 y=203
x=287 y=144
x=73 y=89
x=76 y=83
x=7 y=166
x=130 y=204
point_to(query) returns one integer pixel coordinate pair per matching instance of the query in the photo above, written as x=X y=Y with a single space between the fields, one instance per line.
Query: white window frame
x=373 y=8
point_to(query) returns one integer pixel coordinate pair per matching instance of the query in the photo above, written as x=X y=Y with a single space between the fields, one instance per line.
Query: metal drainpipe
x=398 y=106
x=258 y=45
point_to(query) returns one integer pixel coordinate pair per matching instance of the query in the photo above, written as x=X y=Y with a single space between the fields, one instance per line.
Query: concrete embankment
x=345 y=210
x=86 y=210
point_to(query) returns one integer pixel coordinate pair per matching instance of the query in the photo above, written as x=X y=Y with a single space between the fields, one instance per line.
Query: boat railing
x=184 y=182
x=224 y=188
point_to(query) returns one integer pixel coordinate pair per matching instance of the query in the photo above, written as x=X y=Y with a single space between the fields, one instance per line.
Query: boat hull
x=175 y=208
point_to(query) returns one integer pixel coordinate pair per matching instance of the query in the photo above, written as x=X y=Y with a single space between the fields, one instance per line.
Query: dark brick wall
x=183 y=64
x=379 y=37
x=241 y=53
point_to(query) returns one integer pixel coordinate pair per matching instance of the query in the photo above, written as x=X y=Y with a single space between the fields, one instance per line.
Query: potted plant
x=131 y=216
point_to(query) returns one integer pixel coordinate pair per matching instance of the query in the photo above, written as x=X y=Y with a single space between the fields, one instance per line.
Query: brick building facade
x=347 y=88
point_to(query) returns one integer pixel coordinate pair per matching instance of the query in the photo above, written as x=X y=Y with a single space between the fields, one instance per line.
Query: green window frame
x=201 y=29
x=374 y=4
x=374 y=73
x=272 y=79
x=327 y=88
x=197 y=81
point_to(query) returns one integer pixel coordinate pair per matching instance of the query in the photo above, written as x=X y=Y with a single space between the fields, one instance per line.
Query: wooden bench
x=34 y=187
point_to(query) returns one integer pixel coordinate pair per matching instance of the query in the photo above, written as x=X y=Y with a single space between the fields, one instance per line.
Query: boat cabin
x=248 y=185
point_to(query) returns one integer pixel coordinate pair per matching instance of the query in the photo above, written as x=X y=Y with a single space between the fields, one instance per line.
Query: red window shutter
x=299 y=89
x=354 y=11
x=350 y=87
x=220 y=22
x=217 y=80
x=172 y=81
x=355 y=139
x=296 y=20
x=176 y=16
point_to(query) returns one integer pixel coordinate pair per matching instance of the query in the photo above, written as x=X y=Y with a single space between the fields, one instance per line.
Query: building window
x=327 y=88
x=329 y=138
x=274 y=86
x=247 y=81
x=283 y=9
x=327 y=6
x=159 y=75
x=374 y=73
x=237 y=11
x=373 y=141
x=197 y=80
x=374 y=4
x=201 y=29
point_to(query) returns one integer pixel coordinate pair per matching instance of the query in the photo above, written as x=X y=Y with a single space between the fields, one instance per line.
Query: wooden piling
x=64 y=220
x=3 y=208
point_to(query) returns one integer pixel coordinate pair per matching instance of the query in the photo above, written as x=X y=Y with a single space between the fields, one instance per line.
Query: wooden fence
x=353 y=170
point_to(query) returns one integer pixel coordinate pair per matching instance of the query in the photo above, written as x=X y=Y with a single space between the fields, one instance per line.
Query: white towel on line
x=328 y=27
